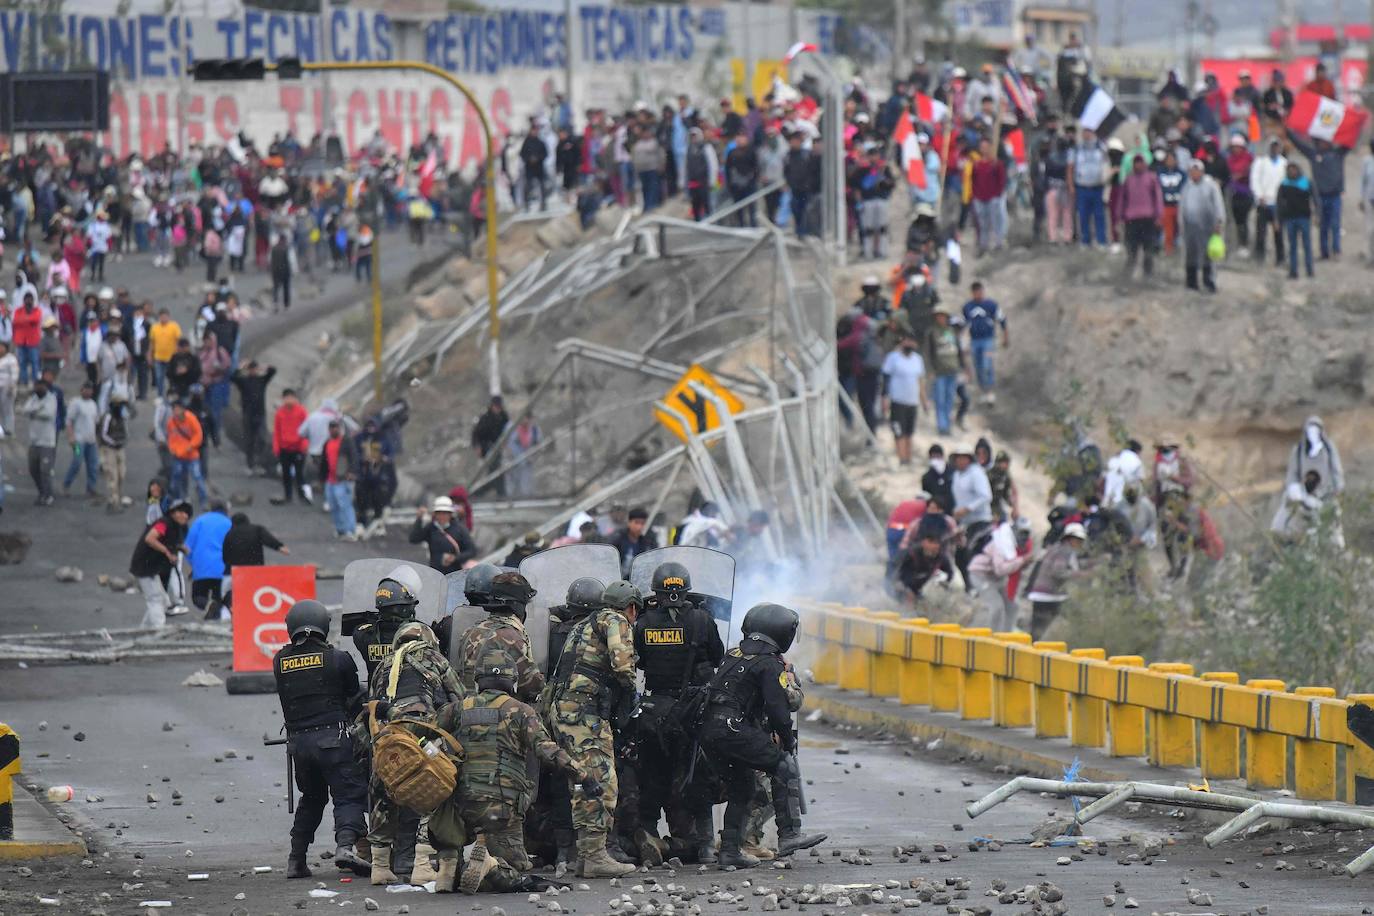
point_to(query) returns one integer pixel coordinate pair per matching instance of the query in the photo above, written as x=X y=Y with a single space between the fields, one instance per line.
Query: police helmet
x=771 y=623
x=477 y=585
x=621 y=594
x=410 y=632
x=671 y=579
x=509 y=590
x=396 y=597
x=585 y=594
x=308 y=616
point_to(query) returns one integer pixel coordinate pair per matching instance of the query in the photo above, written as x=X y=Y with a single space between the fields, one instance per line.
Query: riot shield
x=550 y=572
x=360 y=588
x=464 y=614
x=713 y=581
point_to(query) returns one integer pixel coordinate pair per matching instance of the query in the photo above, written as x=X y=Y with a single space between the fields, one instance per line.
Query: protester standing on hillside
x=1202 y=212
x=1267 y=172
x=1141 y=203
x=1295 y=215
x=983 y=317
x=1328 y=178
x=903 y=385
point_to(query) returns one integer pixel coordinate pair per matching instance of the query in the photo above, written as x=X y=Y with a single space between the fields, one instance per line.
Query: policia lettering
x=318 y=688
x=747 y=727
x=679 y=648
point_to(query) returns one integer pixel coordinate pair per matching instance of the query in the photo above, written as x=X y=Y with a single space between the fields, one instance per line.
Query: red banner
x=262 y=596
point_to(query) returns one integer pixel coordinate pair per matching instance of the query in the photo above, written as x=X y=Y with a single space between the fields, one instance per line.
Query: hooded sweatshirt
x=1315 y=452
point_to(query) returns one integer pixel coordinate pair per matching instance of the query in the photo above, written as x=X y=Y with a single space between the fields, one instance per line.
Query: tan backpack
x=413 y=777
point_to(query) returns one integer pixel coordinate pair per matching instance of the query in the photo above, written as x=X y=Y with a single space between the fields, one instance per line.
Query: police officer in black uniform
x=395 y=604
x=319 y=692
x=747 y=726
x=678 y=647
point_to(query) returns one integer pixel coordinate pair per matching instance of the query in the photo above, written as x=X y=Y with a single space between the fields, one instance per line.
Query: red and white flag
x=1324 y=119
x=928 y=110
x=904 y=138
x=800 y=47
x=427 y=169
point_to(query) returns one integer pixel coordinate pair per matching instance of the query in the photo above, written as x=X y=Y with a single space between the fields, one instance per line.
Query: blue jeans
x=944 y=401
x=90 y=457
x=28 y=360
x=1298 y=229
x=160 y=376
x=339 y=497
x=800 y=203
x=982 y=361
x=651 y=186
x=1091 y=213
x=1330 y=223
x=141 y=236
x=180 y=469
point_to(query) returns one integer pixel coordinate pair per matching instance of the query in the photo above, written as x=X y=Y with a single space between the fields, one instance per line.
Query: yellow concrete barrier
x=1266 y=752
x=1051 y=705
x=1314 y=762
x=1173 y=738
x=1159 y=711
x=1011 y=696
x=975 y=686
x=1220 y=743
x=944 y=675
x=10 y=767
x=1087 y=714
x=1127 y=721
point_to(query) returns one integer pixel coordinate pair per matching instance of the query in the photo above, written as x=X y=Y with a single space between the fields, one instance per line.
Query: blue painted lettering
x=254 y=39
x=337 y=46
x=11 y=26
x=382 y=24
x=277 y=25
x=684 y=27
x=229 y=28
x=304 y=35
x=123 y=47
x=93 y=50
x=364 y=46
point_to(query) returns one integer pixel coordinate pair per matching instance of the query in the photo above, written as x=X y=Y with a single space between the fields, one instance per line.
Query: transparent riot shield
x=464 y=615
x=713 y=581
x=360 y=589
x=550 y=572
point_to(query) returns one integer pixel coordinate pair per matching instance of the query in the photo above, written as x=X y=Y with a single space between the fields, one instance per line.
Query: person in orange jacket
x=184 y=440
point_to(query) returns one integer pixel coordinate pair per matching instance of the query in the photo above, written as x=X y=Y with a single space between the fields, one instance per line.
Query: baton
x=290 y=772
x=796 y=763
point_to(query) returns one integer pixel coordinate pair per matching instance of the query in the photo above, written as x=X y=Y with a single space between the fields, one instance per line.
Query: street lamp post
x=291 y=68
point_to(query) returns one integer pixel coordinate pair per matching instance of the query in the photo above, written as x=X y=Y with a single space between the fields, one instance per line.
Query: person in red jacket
x=28 y=334
x=1321 y=83
x=290 y=447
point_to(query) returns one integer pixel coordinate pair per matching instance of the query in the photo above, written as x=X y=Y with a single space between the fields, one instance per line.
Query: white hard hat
x=106 y=294
x=1115 y=144
x=1075 y=530
x=872 y=280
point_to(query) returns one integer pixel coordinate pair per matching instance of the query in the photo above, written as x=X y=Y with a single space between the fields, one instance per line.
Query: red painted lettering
x=440 y=113
x=119 y=124
x=195 y=119
x=152 y=122
x=389 y=114
x=292 y=101
x=357 y=120
x=226 y=117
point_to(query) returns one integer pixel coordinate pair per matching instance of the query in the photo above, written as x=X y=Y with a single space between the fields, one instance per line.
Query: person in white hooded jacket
x=1314 y=478
x=1266 y=174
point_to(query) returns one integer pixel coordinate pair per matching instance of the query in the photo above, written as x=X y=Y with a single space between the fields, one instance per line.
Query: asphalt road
x=870 y=795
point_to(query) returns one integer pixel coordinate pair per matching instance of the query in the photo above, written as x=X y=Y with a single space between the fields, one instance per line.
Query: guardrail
x=1163 y=712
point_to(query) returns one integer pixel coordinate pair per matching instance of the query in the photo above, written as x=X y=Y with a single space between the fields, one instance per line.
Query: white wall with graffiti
x=513 y=60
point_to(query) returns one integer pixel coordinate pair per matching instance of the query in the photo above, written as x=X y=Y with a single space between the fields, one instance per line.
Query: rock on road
x=220 y=810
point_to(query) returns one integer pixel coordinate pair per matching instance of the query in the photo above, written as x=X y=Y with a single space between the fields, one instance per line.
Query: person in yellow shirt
x=162 y=338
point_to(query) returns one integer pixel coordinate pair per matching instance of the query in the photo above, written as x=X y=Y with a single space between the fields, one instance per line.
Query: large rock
x=69 y=574
x=14 y=547
x=446 y=302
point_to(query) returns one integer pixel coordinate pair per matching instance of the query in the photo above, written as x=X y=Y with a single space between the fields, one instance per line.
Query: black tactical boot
x=730 y=854
x=566 y=841
x=348 y=860
x=296 y=867
x=793 y=840
x=705 y=850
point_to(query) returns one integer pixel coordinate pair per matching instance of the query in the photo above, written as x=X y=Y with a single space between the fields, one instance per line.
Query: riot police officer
x=415 y=683
x=395 y=600
x=498 y=733
x=595 y=675
x=679 y=647
x=476 y=590
x=747 y=727
x=317 y=684
x=584 y=597
x=502 y=632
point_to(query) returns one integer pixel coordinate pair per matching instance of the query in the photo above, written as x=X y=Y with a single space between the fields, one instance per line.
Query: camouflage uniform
x=424 y=685
x=598 y=656
x=501 y=633
x=498 y=732
x=761 y=805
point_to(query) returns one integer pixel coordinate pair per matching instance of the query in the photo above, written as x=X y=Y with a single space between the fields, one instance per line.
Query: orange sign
x=262 y=596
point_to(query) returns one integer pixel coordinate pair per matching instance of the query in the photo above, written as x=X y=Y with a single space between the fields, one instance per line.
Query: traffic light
x=288 y=68
x=225 y=69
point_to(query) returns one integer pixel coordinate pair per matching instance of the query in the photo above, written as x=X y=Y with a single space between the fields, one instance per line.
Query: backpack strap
x=455 y=745
x=394 y=679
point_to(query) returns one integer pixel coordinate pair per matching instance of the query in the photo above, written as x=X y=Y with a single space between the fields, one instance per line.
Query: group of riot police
x=570 y=766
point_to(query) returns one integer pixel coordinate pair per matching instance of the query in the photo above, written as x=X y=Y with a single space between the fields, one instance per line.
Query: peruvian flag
x=1324 y=119
x=427 y=169
x=800 y=47
x=928 y=110
x=904 y=138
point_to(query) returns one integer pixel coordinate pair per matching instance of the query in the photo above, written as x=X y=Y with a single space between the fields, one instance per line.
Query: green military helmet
x=621 y=595
x=413 y=630
x=495 y=672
